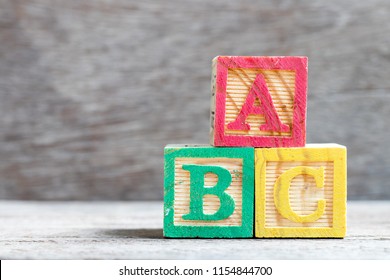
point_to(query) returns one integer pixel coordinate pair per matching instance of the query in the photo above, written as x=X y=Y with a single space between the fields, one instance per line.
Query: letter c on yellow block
x=282 y=196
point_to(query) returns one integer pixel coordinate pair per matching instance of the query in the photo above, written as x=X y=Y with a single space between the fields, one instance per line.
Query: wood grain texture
x=259 y=101
x=133 y=230
x=313 y=204
x=185 y=216
x=91 y=91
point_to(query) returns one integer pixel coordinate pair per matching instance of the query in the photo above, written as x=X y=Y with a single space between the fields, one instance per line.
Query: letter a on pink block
x=260 y=91
x=271 y=112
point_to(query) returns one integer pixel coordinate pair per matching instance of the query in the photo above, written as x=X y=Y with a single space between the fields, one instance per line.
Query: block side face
x=300 y=192
x=340 y=191
x=239 y=164
x=261 y=101
x=213 y=100
x=300 y=103
x=220 y=98
x=169 y=175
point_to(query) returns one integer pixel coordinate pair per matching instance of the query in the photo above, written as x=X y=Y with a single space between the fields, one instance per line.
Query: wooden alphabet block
x=259 y=101
x=301 y=192
x=208 y=192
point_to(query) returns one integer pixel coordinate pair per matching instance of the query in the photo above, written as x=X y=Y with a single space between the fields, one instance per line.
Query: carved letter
x=198 y=190
x=259 y=90
x=282 y=197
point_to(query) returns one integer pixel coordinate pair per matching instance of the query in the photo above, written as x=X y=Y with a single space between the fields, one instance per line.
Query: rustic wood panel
x=91 y=91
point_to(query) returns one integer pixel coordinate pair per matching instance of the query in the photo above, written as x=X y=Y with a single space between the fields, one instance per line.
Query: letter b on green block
x=196 y=178
x=198 y=190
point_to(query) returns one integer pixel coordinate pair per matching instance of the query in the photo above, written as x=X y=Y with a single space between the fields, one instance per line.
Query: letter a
x=198 y=190
x=259 y=90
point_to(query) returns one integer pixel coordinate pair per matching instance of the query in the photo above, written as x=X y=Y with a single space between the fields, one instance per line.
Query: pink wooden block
x=259 y=101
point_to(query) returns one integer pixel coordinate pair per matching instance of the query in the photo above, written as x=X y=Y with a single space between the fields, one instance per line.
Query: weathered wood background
x=91 y=91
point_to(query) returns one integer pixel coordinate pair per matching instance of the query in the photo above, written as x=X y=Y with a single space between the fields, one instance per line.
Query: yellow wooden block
x=301 y=192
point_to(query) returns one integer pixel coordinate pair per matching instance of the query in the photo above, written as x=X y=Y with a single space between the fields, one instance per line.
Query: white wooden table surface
x=133 y=230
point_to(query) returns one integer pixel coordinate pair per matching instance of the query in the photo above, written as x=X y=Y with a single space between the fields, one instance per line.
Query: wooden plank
x=208 y=192
x=133 y=230
x=259 y=101
x=301 y=192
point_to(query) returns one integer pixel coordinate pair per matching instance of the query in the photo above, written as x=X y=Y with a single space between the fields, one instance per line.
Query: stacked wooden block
x=258 y=178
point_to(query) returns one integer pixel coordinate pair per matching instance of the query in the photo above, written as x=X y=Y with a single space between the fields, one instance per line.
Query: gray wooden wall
x=91 y=91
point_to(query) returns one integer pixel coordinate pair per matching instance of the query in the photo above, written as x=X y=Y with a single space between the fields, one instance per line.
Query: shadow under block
x=208 y=192
x=258 y=101
x=301 y=192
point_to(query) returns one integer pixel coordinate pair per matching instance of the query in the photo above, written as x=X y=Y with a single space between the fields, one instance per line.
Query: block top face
x=179 y=146
x=259 y=101
x=310 y=152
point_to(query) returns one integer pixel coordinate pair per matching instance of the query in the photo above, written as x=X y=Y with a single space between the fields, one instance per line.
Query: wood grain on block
x=301 y=192
x=259 y=101
x=209 y=192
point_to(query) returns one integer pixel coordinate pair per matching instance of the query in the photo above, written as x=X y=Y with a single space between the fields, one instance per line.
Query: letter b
x=198 y=190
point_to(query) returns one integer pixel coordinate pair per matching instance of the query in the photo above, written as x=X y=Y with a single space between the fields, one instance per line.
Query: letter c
x=282 y=197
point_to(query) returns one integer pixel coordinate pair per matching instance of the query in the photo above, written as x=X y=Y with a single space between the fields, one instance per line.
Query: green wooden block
x=208 y=192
